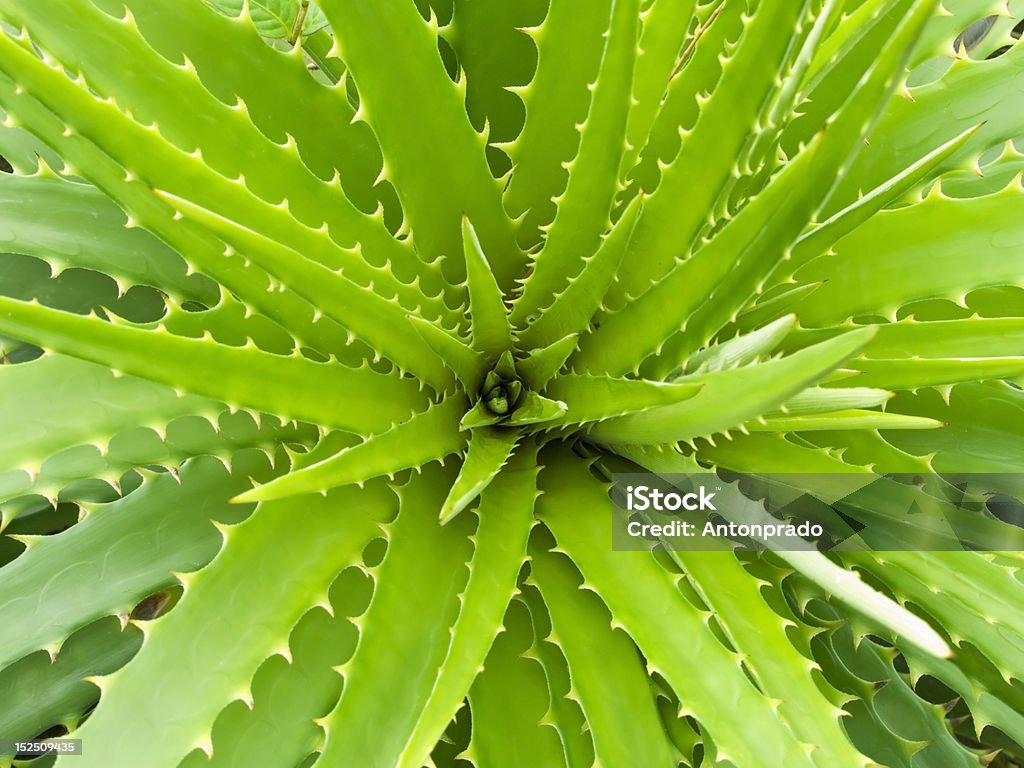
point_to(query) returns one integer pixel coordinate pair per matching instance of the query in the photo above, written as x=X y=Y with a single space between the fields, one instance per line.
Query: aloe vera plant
x=325 y=323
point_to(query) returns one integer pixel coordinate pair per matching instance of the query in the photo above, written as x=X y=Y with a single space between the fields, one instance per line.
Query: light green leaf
x=381 y=321
x=180 y=661
x=41 y=693
x=729 y=398
x=675 y=211
x=118 y=555
x=512 y=736
x=542 y=364
x=780 y=669
x=69 y=224
x=556 y=100
x=584 y=208
x=572 y=309
x=846 y=419
x=741 y=350
x=917 y=252
x=597 y=398
x=419 y=117
x=289 y=387
x=608 y=676
x=492 y=333
x=406 y=632
x=428 y=436
x=489 y=449
x=505 y=521
x=644 y=599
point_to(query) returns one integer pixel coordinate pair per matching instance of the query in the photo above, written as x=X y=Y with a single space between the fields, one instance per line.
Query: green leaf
x=607 y=673
x=380 y=321
x=275 y=19
x=556 y=100
x=282 y=100
x=986 y=706
x=69 y=224
x=290 y=387
x=492 y=333
x=625 y=338
x=729 y=398
x=953 y=587
x=985 y=422
x=538 y=368
x=71 y=402
x=844 y=419
x=505 y=521
x=584 y=208
x=825 y=399
x=644 y=599
x=496 y=56
x=405 y=633
x=23 y=151
x=118 y=60
x=428 y=436
x=118 y=555
x=665 y=24
x=287 y=695
x=420 y=120
x=887 y=262
x=900 y=716
x=676 y=210
x=564 y=712
x=572 y=309
x=741 y=350
x=535 y=409
x=909 y=128
x=468 y=365
x=780 y=670
x=178 y=660
x=723 y=275
x=844 y=585
x=489 y=449
x=143 y=147
x=510 y=736
x=42 y=693
x=824 y=235
x=597 y=398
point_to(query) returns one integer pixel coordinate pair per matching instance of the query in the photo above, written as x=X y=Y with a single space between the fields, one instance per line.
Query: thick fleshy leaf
x=118 y=555
x=419 y=118
x=709 y=680
x=607 y=672
x=678 y=207
x=347 y=398
x=405 y=633
x=504 y=736
x=572 y=309
x=69 y=224
x=488 y=451
x=584 y=208
x=181 y=662
x=556 y=100
x=505 y=520
x=730 y=398
x=887 y=263
x=492 y=333
x=428 y=436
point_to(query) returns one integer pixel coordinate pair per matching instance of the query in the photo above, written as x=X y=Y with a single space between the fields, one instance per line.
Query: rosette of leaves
x=319 y=353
